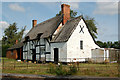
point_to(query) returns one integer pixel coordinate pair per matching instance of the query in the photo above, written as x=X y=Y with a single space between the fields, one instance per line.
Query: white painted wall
x=48 y=49
x=27 y=55
x=98 y=55
x=62 y=51
x=73 y=44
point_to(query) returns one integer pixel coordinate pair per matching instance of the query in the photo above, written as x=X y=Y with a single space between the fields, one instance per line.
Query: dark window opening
x=81 y=44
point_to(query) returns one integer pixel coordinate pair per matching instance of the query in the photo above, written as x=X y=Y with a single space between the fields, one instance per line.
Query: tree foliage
x=91 y=25
x=89 y=21
x=109 y=44
x=11 y=34
x=72 y=13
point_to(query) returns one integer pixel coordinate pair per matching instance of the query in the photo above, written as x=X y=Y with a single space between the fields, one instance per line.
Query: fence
x=89 y=68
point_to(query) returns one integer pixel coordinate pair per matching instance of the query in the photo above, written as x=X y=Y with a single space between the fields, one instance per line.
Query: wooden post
x=27 y=64
x=118 y=63
x=3 y=62
x=14 y=64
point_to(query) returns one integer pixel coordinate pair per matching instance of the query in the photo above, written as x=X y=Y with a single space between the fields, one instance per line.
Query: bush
x=51 y=68
x=59 y=70
x=72 y=69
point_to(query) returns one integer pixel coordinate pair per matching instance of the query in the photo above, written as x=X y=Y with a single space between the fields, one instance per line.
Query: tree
x=108 y=44
x=92 y=26
x=116 y=45
x=72 y=13
x=100 y=44
x=89 y=21
x=11 y=34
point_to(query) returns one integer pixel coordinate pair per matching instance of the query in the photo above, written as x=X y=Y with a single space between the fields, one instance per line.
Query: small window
x=81 y=44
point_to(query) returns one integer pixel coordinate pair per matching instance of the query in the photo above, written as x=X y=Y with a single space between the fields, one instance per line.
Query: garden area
x=74 y=69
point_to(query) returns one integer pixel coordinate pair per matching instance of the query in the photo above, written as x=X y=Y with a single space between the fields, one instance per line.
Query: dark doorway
x=33 y=54
x=18 y=54
x=56 y=55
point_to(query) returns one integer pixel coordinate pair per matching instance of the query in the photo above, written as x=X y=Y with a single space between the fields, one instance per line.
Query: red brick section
x=8 y=54
x=65 y=9
x=34 y=22
x=12 y=54
x=16 y=41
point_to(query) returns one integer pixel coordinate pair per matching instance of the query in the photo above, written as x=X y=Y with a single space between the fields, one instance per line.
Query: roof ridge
x=48 y=20
x=42 y=23
x=75 y=18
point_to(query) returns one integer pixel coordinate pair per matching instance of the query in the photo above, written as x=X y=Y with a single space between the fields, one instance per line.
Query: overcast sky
x=105 y=14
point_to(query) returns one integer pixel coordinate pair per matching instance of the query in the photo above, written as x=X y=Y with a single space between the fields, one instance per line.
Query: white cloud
x=74 y=5
x=16 y=7
x=3 y=25
x=108 y=8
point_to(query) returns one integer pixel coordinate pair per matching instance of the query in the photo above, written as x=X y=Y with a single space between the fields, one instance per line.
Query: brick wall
x=12 y=54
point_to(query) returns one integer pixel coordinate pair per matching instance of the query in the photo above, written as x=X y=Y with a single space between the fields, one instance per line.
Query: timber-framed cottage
x=59 y=39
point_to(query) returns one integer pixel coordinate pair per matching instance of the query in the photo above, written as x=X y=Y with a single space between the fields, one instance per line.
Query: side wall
x=62 y=51
x=73 y=44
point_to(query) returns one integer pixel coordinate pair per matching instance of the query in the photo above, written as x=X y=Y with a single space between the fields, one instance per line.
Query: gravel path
x=45 y=77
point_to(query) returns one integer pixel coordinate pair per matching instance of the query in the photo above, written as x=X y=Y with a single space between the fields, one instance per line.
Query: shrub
x=59 y=70
x=51 y=68
x=72 y=69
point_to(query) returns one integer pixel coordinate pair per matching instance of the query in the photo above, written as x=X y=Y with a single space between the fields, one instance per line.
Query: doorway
x=56 y=55
x=33 y=54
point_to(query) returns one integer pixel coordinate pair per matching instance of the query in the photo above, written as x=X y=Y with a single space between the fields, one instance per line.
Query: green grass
x=85 y=69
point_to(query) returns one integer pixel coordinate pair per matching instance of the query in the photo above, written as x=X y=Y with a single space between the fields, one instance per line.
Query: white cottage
x=59 y=39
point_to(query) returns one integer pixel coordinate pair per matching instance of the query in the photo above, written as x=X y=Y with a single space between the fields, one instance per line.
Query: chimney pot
x=16 y=41
x=34 y=22
x=65 y=9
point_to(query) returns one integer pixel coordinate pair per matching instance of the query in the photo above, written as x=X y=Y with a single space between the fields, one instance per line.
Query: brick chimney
x=65 y=9
x=16 y=42
x=34 y=23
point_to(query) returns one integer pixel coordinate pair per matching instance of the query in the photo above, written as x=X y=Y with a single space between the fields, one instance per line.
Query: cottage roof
x=67 y=30
x=46 y=28
x=16 y=46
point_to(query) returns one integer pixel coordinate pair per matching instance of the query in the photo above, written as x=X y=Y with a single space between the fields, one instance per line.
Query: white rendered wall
x=73 y=44
x=98 y=55
x=27 y=55
x=62 y=51
x=48 y=49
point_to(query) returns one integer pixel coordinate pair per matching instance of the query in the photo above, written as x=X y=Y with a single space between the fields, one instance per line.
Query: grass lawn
x=85 y=69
